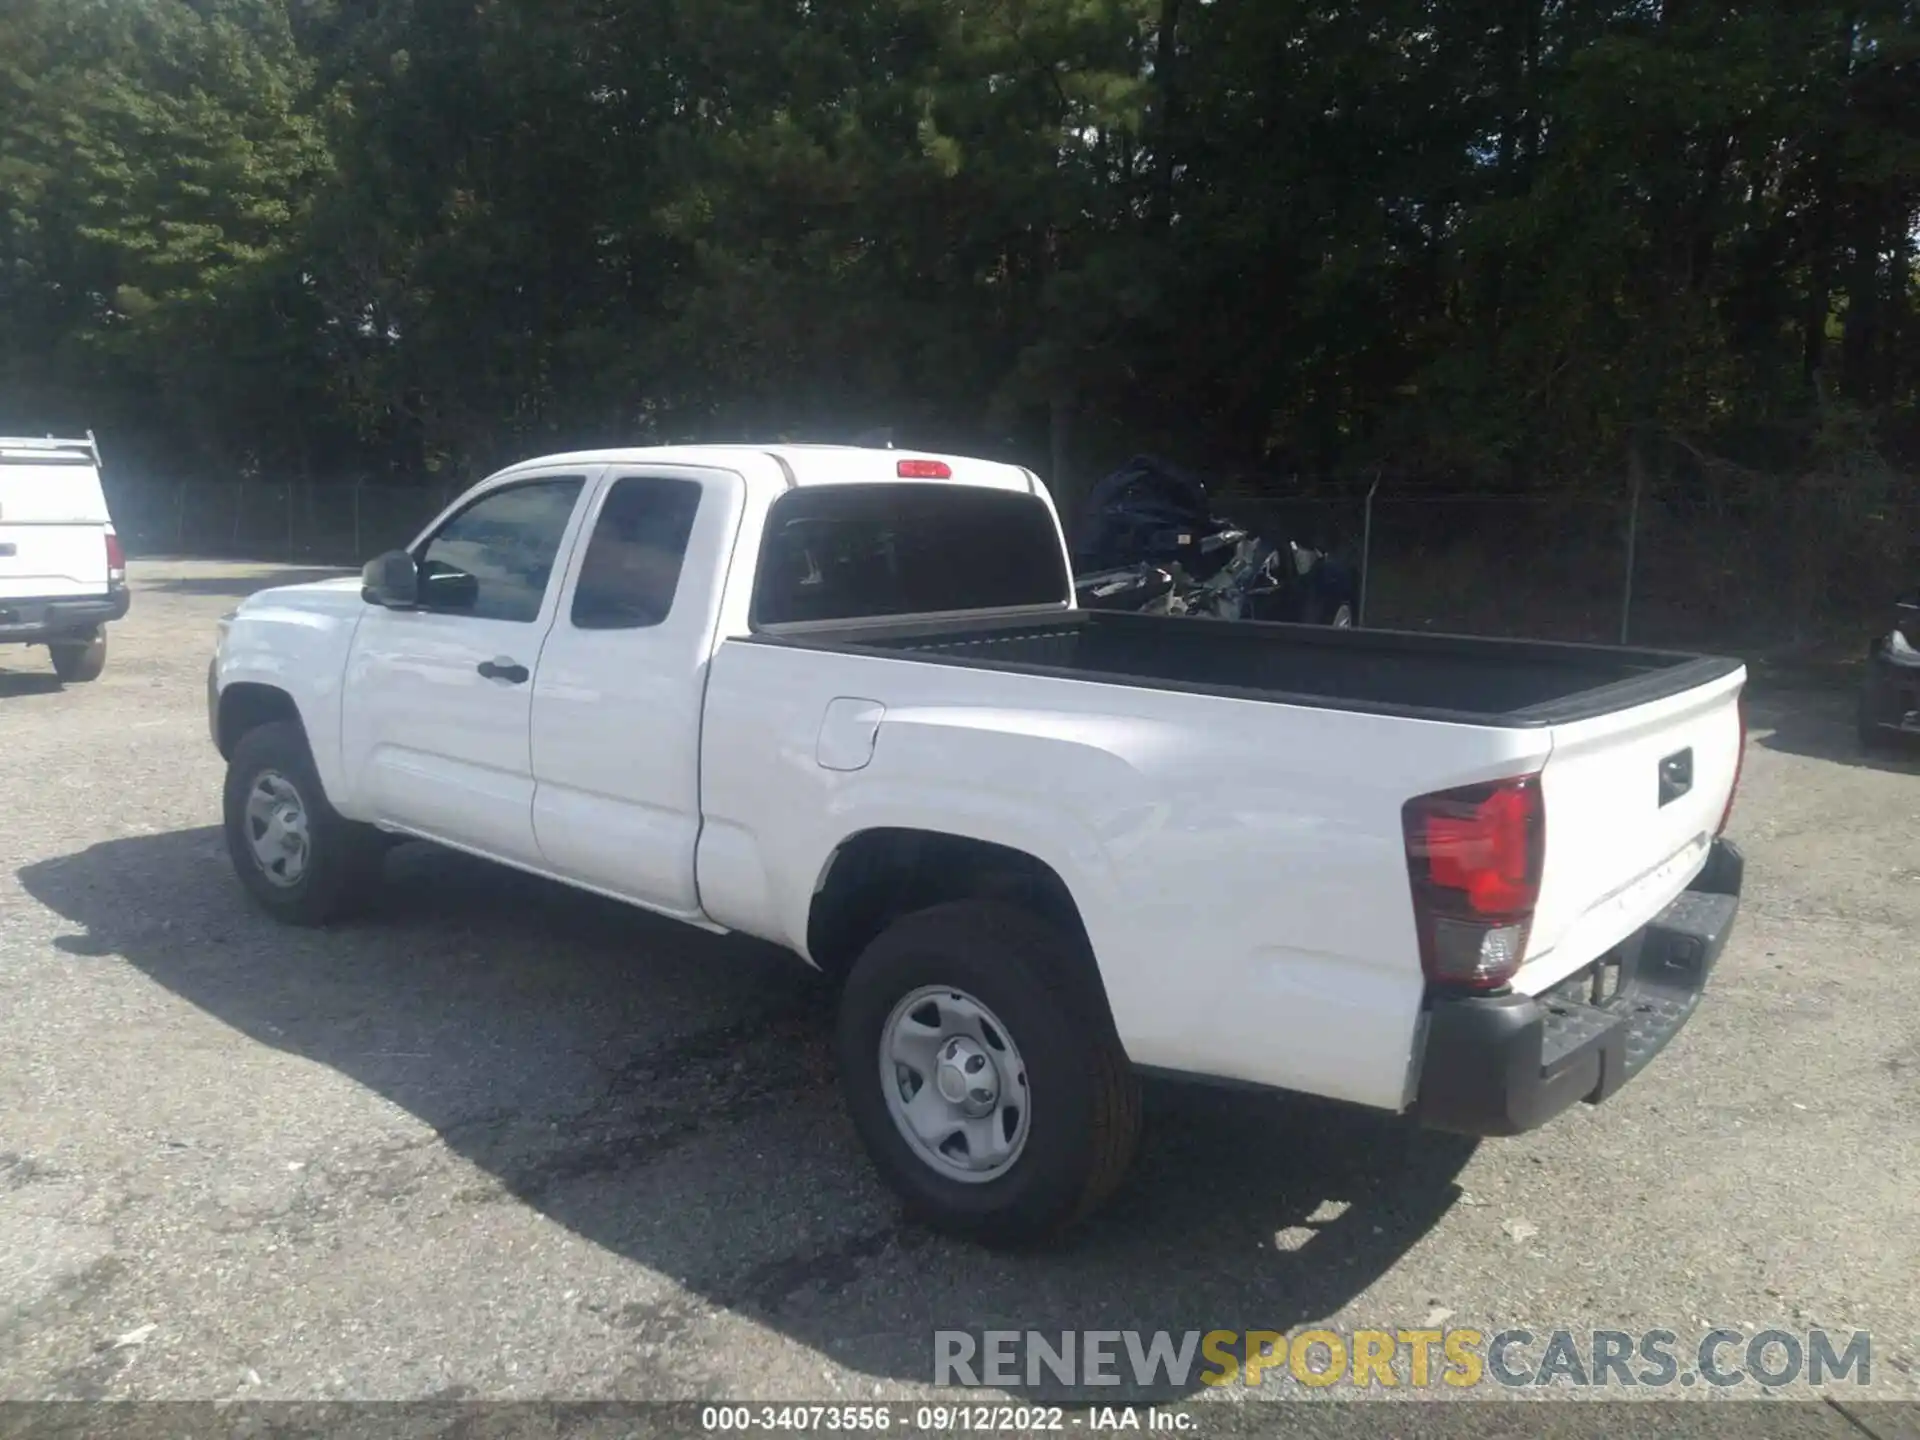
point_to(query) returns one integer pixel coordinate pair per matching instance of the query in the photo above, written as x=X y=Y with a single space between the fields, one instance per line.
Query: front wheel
x=300 y=859
x=984 y=1081
x=77 y=662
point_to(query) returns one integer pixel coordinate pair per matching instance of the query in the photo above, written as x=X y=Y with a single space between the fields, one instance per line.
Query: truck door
x=436 y=717
x=622 y=680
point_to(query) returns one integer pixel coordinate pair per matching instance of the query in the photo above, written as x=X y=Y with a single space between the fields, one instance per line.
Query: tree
x=1477 y=241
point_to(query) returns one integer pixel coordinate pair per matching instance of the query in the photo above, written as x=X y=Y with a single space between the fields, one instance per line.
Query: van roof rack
x=30 y=449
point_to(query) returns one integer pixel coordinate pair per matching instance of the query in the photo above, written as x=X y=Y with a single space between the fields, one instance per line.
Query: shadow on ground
x=1821 y=724
x=671 y=1097
x=238 y=587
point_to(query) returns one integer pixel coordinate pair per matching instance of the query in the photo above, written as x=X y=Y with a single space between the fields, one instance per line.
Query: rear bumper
x=1504 y=1064
x=53 y=618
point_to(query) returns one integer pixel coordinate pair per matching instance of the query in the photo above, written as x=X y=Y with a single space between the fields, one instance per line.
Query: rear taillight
x=1739 y=764
x=1474 y=856
x=116 y=561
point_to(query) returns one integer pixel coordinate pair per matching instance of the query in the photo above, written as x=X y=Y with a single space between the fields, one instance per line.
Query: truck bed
x=1467 y=679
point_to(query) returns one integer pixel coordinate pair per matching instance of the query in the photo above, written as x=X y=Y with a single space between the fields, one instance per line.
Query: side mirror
x=391 y=580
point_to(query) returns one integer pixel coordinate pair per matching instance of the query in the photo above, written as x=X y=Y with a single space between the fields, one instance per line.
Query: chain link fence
x=341 y=525
x=1683 y=566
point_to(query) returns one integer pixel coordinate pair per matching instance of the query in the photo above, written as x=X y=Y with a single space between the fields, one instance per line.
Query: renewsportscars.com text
x=1412 y=1358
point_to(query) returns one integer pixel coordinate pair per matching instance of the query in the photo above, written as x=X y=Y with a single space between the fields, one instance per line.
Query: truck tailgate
x=1633 y=800
x=52 y=562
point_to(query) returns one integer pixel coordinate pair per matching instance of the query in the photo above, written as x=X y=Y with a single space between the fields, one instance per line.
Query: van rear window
x=844 y=552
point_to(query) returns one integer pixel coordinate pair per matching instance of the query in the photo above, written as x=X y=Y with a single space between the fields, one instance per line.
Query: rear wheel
x=1868 y=731
x=1877 y=718
x=301 y=860
x=985 y=1083
x=78 y=661
x=1324 y=609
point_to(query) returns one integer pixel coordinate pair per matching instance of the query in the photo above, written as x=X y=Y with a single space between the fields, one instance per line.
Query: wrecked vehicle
x=1890 y=694
x=1151 y=542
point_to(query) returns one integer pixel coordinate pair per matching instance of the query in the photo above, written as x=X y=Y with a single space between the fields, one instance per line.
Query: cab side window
x=492 y=560
x=632 y=567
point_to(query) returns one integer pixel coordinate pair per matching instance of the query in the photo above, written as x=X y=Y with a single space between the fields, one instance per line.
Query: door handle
x=510 y=671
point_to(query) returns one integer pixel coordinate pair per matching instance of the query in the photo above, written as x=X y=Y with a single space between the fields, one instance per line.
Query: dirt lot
x=499 y=1140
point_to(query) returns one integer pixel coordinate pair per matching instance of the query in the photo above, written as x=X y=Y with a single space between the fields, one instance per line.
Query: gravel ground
x=502 y=1141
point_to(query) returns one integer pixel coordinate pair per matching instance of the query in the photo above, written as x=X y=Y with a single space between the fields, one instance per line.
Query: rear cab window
x=845 y=552
x=45 y=486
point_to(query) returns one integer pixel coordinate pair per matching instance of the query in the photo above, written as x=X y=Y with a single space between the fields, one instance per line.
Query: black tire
x=1870 y=739
x=1327 y=608
x=343 y=857
x=78 y=661
x=1085 y=1122
x=1875 y=718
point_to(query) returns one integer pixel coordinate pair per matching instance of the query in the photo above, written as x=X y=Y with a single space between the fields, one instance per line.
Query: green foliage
x=156 y=158
x=1479 y=240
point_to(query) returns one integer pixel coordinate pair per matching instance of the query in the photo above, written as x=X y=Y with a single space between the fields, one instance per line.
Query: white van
x=63 y=575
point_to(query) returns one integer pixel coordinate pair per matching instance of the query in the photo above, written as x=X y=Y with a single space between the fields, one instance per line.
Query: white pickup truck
x=63 y=574
x=842 y=700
